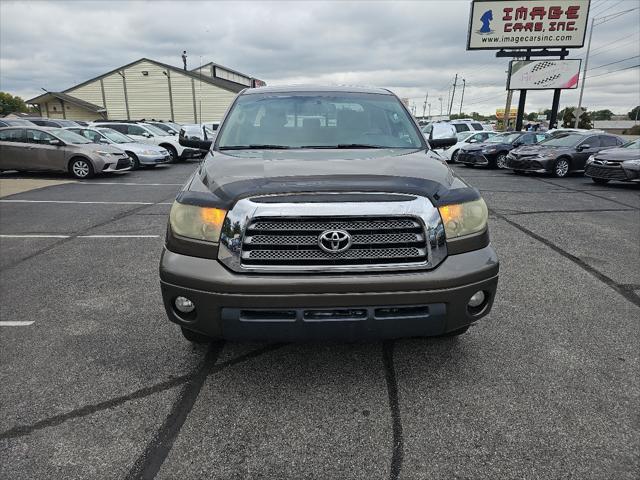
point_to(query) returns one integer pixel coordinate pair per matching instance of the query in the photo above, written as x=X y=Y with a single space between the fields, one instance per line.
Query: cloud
x=410 y=47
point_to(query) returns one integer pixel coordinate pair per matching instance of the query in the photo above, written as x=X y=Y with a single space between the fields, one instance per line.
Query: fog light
x=184 y=305
x=477 y=299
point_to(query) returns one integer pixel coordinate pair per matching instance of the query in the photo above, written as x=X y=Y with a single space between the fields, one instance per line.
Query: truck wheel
x=600 y=181
x=195 y=337
x=81 y=168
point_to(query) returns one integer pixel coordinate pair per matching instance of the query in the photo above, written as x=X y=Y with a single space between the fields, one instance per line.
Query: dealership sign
x=495 y=25
x=543 y=74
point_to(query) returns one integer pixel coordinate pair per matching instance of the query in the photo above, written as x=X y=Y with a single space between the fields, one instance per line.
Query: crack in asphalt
x=397 y=451
x=620 y=288
x=119 y=216
x=23 y=430
x=150 y=461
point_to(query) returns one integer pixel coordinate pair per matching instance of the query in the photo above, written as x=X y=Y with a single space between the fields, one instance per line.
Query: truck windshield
x=318 y=120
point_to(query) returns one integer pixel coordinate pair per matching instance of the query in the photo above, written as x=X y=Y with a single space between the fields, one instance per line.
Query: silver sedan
x=141 y=154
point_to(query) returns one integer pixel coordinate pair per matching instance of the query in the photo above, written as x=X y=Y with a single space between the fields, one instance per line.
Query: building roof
x=45 y=97
x=218 y=82
x=318 y=88
x=227 y=69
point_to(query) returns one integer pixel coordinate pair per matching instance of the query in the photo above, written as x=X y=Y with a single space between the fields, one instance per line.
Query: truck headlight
x=199 y=223
x=464 y=218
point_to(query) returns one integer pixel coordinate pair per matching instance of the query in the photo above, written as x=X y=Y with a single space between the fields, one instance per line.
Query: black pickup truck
x=324 y=213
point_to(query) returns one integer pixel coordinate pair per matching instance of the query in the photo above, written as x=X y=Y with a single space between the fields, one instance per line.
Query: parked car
x=82 y=123
x=621 y=164
x=15 y=122
x=141 y=154
x=493 y=152
x=348 y=229
x=47 y=122
x=149 y=134
x=57 y=149
x=466 y=138
x=560 y=154
x=169 y=127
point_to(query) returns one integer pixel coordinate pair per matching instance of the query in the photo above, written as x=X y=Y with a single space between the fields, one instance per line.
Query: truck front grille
x=282 y=241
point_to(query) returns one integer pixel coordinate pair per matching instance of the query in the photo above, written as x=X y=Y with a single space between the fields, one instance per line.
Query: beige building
x=147 y=89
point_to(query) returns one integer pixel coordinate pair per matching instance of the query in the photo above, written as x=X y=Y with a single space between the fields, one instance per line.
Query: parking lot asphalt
x=97 y=383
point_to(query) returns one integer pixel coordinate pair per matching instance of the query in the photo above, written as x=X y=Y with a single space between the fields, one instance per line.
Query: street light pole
x=584 y=74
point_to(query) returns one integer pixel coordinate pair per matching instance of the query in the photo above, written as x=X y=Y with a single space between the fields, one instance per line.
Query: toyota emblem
x=334 y=241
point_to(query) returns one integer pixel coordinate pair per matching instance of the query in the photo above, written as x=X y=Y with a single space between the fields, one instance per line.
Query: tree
x=634 y=113
x=569 y=121
x=10 y=104
x=602 y=115
x=533 y=116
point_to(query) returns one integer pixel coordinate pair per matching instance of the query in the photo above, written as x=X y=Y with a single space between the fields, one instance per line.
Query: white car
x=152 y=135
x=465 y=138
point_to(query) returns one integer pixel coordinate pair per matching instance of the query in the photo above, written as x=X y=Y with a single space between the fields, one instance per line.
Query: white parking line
x=78 y=236
x=9 y=323
x=89 y=203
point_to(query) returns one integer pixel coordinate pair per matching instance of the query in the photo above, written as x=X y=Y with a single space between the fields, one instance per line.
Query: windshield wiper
x=255 y=147
x=345 y=145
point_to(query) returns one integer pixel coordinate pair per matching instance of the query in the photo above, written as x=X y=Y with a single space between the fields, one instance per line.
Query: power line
x=614 y=41
x=631 y=41
x=601 y=9
x=614 y=71
x=613 y=63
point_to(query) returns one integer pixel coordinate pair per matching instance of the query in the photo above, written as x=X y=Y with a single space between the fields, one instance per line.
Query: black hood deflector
x=211 y=185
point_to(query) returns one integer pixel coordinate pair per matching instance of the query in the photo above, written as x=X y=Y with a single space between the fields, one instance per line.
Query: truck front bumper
x=342 y=307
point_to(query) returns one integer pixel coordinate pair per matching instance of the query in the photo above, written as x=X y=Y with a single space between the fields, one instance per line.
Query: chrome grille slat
x=304 y=224
x=305 y=240
x=355 y=253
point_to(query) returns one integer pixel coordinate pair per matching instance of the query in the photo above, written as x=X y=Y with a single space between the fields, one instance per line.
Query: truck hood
x=225 y=177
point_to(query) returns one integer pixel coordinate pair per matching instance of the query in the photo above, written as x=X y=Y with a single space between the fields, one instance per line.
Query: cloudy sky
x=413 y=48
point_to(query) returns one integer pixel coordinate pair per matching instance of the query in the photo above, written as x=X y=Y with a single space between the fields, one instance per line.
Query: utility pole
x=424 y=105
x=584 y=73
x=448 y=96
x=429 y=105
x=507 y=109
x=464 y=82
x=440 y=98
x=455 y=83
